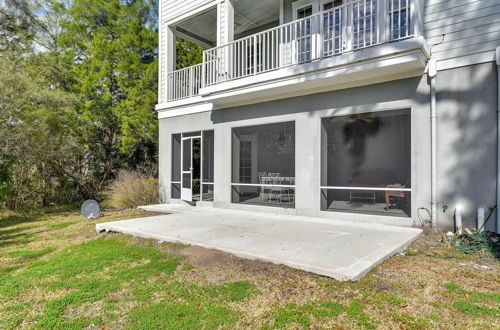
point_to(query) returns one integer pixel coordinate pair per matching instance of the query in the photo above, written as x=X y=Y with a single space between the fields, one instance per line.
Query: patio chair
x=391 y=195
x=276 y=191
x=288 y=193
x=265 y=192
x=261 y=175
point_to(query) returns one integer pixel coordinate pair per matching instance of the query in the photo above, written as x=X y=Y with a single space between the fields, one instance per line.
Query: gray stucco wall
x=307 y=112
x=467 y=141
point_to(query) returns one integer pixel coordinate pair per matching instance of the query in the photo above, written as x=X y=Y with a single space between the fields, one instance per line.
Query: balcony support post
x=168 y=61
x=225 y=22
x=349 y=28
x=225 y=35
x=382 y=21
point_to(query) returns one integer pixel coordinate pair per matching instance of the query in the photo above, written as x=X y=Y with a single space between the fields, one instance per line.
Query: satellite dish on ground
x=90 y=209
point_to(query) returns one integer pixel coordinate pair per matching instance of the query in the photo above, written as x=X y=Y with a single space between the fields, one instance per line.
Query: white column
x=417 y=10
x=307 y=165
x=161 y=59
x=222 y=165
x=225 y=34
x=225 y=22
x=167 y=60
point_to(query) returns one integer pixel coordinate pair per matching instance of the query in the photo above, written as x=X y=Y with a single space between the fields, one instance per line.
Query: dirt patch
x=201 y=257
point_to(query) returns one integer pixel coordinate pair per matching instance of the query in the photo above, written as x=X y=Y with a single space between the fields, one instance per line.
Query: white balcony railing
x=349 y=27
x=185 y=83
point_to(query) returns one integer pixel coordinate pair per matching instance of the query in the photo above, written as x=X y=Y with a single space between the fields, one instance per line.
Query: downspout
x=498 y=137
x=432 y=75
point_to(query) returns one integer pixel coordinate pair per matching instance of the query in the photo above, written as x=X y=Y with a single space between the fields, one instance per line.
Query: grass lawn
x=57 y=272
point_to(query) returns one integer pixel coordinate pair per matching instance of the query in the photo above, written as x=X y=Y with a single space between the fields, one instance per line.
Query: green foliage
x=473 y=309
x=62 y=224
x=200 y=307
x=77 y=96
x=477 y=242
x=183 y=316
x=17 y=314
x=411 y=322
x=35 y=128
x=293 y=314
x=31 y=254
x=5 y=180
x=114 y=48
x=237 y=291
x=470 y=302
x=474 y=296
x=96 y=271
x=188 y=54
x=89 y=272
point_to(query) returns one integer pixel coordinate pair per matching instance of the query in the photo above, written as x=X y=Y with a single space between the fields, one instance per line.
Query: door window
x=333 y=26
x=364 y=23
x=186 y=164
x=304 y=38
x=399 y=18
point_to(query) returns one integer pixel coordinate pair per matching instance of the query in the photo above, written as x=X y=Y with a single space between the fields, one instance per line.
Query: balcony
x=315 y=52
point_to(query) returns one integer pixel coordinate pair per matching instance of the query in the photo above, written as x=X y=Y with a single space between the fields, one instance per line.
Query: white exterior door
x=187 y=170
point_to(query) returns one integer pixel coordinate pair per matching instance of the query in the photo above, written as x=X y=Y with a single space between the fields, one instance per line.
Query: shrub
x=5 y=188
x=131 y=189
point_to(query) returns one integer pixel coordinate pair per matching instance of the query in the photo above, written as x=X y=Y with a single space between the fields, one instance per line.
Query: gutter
x=432 y=75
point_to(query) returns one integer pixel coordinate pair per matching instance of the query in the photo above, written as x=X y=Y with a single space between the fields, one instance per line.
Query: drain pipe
x=432 y=75
x=498 y=139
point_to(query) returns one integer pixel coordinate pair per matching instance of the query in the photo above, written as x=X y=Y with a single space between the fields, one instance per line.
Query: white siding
x=172 y=9
x=469 y=27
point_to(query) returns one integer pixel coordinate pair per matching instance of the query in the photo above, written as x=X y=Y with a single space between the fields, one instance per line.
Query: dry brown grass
x=408 y=291
x=131 y=189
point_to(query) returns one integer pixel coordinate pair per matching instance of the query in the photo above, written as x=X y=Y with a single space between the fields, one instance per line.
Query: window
x=304 y=31
x=366 y=163
x=333 y=28
x=245 y=161
x=399 y=16
x=263 y=165
x=364 y=23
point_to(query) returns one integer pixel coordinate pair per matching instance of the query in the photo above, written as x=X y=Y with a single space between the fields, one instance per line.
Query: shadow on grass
x=15 y=217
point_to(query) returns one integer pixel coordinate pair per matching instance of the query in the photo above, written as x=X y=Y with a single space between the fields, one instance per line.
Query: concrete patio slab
x=334 y=248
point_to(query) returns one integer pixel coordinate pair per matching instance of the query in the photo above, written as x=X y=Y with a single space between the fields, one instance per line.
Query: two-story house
x=362 y=110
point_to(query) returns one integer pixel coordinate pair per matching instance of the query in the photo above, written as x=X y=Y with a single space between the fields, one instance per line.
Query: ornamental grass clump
x=131 y=189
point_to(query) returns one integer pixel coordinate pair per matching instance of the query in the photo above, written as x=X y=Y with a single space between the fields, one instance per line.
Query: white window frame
x=409 y=7
x=315 y=37
x=343 y=30
x=183 y=137
x=246 y=138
